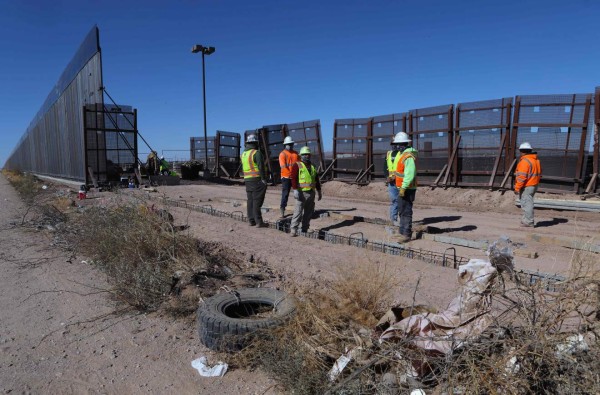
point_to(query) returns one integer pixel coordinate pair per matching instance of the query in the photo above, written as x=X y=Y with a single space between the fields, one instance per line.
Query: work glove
x=296 y=194
x=402 y=192
x=319 y=195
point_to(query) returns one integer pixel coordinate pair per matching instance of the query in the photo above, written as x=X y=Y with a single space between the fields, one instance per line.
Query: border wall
x=475 y=144
x=53 y=144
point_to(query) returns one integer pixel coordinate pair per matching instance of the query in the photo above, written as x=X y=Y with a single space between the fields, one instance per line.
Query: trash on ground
x=201 y=366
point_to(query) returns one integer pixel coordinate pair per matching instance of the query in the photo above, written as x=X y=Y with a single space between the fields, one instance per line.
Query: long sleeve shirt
x=528 y=171
x=294 y=178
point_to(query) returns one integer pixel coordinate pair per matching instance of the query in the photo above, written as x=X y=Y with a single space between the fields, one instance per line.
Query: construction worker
x=527 y=179
x=164 y=166
x=255 y=178
x=391 y=163
x=304 y=183
x=287 y=158
x=406 y=182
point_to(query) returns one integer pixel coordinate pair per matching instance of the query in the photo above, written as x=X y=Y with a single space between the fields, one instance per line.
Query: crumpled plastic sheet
x=201 y=365
x=465 y=318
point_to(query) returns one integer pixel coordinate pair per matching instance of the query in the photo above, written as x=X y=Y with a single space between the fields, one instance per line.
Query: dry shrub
x=138 y=249
x=328 y=322
x=25 y=183
x=366 y=285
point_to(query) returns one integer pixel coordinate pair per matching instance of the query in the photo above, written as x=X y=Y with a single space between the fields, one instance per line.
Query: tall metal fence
x=223 y=152
x=110 y=141
x=476 y=143
x=54 y=144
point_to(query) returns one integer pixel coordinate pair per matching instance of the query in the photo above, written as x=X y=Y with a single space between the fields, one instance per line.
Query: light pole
x=205 y=51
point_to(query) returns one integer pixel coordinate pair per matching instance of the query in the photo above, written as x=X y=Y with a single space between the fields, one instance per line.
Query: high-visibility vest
x=528 y=172
x=392 y=164
x=249 y=166
x=400 y=170
x=286 y=161
x=307 y=178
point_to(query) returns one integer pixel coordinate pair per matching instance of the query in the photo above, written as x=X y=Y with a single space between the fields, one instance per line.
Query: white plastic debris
x=418 y=391
x=339 y=365
x=512 y=366
x=571 y=345
x=44 y=186
x=201 y=366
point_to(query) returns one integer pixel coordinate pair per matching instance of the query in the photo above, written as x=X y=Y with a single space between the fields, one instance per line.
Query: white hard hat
x=400 y=138
x=162 y=157
x=252 y=139
x=288 y=140
x=525 y=145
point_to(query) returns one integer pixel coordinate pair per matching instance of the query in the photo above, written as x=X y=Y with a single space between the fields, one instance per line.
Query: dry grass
x=25 y=184
x=328 y=322
x=525 y=351
x=141 y=254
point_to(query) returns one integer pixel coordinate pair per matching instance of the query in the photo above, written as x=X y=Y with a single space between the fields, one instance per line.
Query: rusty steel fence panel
x=383 y=129
x=271 y=139
x=53 y=144
x=110 y=141
x=557 y=128
x=228 y=153
x=484 y=130
x=431 y=132
x=350 y=148
x=308 y=133
x=198 y=151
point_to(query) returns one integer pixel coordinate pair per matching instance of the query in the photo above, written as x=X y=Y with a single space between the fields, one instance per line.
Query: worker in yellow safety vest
x=287 y=158
x=255 y=178
x=406 y=182
x=527 y=178
x=305 y=182
x=391 y=163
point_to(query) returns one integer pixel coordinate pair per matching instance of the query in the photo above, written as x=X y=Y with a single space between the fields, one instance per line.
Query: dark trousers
x=286 y=186
x=405 y=210
x=255 y=191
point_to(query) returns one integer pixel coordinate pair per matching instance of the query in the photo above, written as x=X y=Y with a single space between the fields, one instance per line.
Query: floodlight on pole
x=205 y=51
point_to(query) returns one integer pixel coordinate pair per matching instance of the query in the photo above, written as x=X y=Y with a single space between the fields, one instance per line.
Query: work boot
x=293 y=233
x=401 y=238
x=252 y=223
x=282 y=211
x=262 y=225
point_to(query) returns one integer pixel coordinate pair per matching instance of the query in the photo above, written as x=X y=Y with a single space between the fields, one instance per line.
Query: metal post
x=206 y=173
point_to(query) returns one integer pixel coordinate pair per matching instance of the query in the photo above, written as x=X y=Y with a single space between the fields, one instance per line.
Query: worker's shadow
x=343 y=224
x=552 y=222
x=445 y=218
x=466 y=228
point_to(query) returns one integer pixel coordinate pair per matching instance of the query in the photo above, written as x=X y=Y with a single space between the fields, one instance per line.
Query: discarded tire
x=228 y=321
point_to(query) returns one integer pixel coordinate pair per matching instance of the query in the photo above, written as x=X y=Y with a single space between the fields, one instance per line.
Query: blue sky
x=283 y=61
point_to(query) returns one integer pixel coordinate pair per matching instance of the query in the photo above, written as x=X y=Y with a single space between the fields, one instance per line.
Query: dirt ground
x=61 y=332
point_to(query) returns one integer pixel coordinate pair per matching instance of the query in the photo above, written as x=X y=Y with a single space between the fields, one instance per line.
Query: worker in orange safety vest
x=406 y=182
x=527 y=178
x=287 y=158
